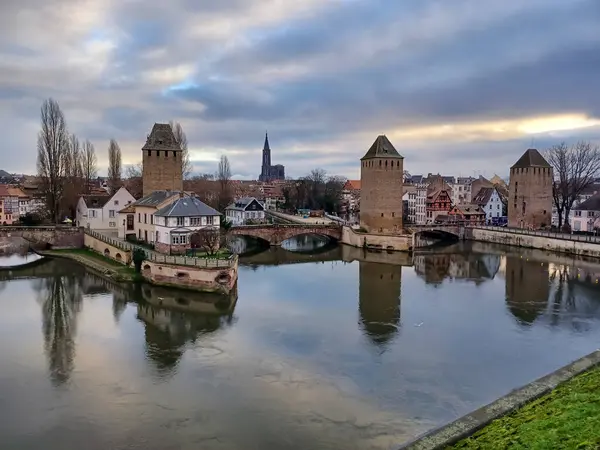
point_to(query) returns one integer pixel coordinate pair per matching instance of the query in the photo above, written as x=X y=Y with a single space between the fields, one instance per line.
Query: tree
x=138 y=257
x=182 y=142
x=223 y=177
x=53 y=148
x=89 y=166
x=575 y=169
x=114 y=166
x=208 y=239
x=73 y=177
x=134 y=181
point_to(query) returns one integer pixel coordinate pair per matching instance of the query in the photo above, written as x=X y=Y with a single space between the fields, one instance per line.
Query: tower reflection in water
x=527 y=288
x=174 y=319
x=379 y=301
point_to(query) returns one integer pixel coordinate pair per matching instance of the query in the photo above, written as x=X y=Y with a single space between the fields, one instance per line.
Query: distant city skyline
x=456 y=86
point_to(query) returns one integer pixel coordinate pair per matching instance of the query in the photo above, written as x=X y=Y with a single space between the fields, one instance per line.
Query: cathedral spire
x=266 y=146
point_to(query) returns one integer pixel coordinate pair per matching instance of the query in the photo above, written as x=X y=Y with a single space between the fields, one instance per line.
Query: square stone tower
x=382 y=182
x=161 y=159
x=530 y=192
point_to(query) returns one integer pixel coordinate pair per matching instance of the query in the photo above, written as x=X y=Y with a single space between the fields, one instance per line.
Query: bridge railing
x=153 y=256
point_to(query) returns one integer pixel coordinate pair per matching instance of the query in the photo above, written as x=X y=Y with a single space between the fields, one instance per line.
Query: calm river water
x=334 y=349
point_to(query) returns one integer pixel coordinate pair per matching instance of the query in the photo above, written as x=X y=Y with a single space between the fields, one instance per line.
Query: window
x=116 y=202
x=149 y=152
x=111 y=213
x=577 y=213
x=139 y=217
x=590 y=213
x=179 y=239
x=209 y=220
x=145 y=217
x=180 y=221
x=151 y=219
x=196 y=221
x=112 y=224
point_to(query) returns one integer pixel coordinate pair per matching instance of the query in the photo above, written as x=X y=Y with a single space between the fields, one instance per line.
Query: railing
x=153 y=256
x=548 y=234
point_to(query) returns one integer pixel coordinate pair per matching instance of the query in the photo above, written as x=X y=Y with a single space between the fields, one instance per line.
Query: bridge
x=53 y=236
x=276 y=234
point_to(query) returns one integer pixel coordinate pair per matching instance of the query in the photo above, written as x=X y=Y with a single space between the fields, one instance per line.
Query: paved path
x=301 y=219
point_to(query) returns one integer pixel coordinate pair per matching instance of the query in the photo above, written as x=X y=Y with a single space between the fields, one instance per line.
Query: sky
x=460 y=87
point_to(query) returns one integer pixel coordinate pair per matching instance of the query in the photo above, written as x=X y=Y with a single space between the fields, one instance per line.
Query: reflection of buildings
x=174 y=318
x=60 y=298
x=475 y=267
x=379 y=300
x=527 y=288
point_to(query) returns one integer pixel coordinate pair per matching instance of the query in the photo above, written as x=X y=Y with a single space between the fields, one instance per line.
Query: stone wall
x=382 y=241
x=221 y=280
x=57 y=237
x=110 y=251
x=531 y=241
x=381 y=195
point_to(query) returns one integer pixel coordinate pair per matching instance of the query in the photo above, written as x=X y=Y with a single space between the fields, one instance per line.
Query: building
x=269 y=172
x=586 y=194
x=420 y=204
x=585 y=215
x=351 y=200
x=143 y=215
x=7 y=215
x=530 y=192
x=244 y=211
x=409 y=198
x=176 y=222
x=493 y=201
x=162 y=161
x=101 y=212
x=469 y=214
x=438 y=201
x=461 y=190
x=381 y=179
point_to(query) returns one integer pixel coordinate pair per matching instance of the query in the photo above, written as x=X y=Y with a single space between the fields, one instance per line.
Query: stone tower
x=162 y=156
x=382 y=180
x=530 y=192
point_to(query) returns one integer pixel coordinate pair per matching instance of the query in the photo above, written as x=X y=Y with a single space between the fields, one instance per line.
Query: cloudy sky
x=459 y=86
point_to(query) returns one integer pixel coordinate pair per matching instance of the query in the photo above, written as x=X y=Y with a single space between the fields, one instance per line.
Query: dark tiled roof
x=155 y=198
x=470 y=209
x=483 y=196
x=96 y=201
x=187 y=206
x=531 y=158
x=161 y=138
x=591 y=204
x=382 y=148
x=242 y=203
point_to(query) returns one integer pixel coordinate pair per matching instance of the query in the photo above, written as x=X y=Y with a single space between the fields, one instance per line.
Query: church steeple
x=266 y=146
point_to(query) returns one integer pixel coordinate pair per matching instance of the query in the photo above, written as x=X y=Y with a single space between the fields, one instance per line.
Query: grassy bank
x=567 y=418
x=96 y=261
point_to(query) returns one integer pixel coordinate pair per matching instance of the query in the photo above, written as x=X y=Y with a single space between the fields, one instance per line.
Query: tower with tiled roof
x=382 y=180
x=530 y=192
x=161 y=158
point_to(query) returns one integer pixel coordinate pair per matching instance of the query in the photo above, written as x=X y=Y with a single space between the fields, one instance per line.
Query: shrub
x=138 y=257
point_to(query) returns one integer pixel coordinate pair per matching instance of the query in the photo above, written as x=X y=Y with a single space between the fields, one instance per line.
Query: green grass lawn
x=567 y=418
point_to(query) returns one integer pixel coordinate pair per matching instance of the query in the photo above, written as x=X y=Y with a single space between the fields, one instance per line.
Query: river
x=337 y=348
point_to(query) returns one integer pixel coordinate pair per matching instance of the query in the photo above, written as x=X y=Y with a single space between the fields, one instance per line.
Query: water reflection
x=173 y=319
x=477 y=268
x=379 y=301
x=60 y=299
x=527 y=288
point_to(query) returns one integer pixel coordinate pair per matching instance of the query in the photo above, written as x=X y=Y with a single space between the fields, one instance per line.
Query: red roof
x=352 y=185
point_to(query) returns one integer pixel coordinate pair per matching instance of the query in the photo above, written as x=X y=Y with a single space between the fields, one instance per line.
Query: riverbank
x=558 y=411
x=567 y=418
x=95 y=261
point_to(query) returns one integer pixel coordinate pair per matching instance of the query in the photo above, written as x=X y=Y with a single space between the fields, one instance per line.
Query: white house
x=245 y=209
x=176 y=222
x=491 y=200
x=584 y=217
x=100 y=212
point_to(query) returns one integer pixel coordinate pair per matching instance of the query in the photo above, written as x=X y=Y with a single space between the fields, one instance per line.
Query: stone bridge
x=430 y=235
x=276 y=234
x=53 y=236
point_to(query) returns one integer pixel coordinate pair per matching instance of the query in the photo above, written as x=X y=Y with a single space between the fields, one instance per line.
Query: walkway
x=300 y=219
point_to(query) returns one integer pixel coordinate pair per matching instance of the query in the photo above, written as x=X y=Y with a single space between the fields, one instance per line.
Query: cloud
x=458 y=86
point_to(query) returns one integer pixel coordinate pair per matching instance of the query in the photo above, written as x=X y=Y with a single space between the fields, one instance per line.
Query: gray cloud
x=324 y=77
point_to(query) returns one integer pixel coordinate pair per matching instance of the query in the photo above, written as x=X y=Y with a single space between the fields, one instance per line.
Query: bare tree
x=134 y=181
x=53 y=148
x=575 y=169
x=208 y=239
x=114 y=166
x=223 y=177
x=73 y=177
x=89 y=165
x=182 y=142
